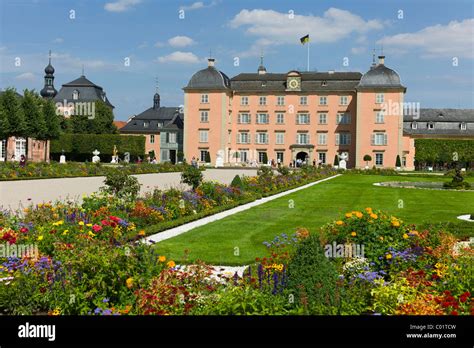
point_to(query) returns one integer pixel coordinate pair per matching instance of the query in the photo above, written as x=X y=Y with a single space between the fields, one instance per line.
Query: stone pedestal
x=62 y=159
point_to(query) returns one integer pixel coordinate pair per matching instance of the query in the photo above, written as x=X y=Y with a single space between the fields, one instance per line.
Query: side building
x=311 y=116
x=162 y=128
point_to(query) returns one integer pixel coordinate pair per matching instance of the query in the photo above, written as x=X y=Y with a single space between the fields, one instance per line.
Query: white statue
x=96 y=158
x=126 y=157
x=343 y=158
x=220 y=159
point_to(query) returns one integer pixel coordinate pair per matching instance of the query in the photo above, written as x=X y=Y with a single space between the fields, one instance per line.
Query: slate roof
x=442 y=115
x=209 y=78
x=170 y=117
x=88 y=92
x=447 y=122
x=380 y=77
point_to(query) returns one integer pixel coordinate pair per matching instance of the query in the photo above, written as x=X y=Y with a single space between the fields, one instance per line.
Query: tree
x=237 y=182
x=265 y=158
x=336 y=160
x=32 y=108
x=53 y=123
x=398 y=163
x=13 y=122
x=103 y=121
x=208 y=157
x=367 y=159
x=191 y=176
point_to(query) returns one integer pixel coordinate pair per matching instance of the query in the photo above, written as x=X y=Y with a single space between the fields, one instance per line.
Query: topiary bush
x=312 y=278
x=191 y=176
x=284 y=170
x=121 y=185
x=237 y=182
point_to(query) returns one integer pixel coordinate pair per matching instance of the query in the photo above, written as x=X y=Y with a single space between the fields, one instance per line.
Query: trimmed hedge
x=79 y=147
x=432 y=151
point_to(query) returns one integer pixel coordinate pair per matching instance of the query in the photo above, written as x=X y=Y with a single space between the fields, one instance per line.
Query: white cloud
x=27 y=76
x=121 y=5
x=281 y=28
x=179 y=57
x=160 y=44
x=456 y=39
x=58 y=40
x=194 y=6
x=358 y=50
x=180 y=41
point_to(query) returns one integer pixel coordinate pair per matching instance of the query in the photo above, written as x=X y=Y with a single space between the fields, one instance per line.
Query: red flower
x=454 y=313
x=23 y=230
x=96 y=228
x=447 y=292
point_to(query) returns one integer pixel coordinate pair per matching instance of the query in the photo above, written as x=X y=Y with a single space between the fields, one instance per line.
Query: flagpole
x=307 y=67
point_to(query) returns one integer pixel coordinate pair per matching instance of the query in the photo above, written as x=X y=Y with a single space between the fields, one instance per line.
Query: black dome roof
x=49 y=69
x=209 y=78
x=380 y=76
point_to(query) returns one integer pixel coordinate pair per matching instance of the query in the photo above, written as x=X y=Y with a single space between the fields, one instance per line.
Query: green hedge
x=81 y=146
x=433 y=151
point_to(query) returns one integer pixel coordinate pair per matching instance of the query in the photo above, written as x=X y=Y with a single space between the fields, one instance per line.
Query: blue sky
x=423 y=46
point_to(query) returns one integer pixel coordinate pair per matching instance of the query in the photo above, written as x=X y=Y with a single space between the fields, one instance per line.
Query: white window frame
x=204 y=116
x=324 y=159
x=379 y=117
x=280 y=115
x=20 y=148
x=203 y=136
x=343 y=100
x=378 y=161
x=303 y=100
x=321 y=116
x=300 y=136
x=279 y=138
x=379 y=139
x=172 y=138
x=146 y=124
x=202 y=155
x=152 y=138
x=261 y=138
x=463 y=126
x=244 y=100
x=303 y=116
x=245 y=115
x=262 y=100
x=323 y=100
x=3 y=147
x=322 y=138
x=280 y=155
x=341 y=136
x=75 y=95
x=204 y=98
x=379 y=98
x=431 y=125
x=263 y=118
x=241 y=136
x=343 y=118
x=244 y=155
x=280 y=100
x=260 y=156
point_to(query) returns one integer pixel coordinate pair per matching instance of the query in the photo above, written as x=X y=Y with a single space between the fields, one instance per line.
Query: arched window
x=75 y=94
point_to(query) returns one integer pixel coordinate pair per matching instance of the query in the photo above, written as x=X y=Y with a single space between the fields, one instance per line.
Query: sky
x=130 y=46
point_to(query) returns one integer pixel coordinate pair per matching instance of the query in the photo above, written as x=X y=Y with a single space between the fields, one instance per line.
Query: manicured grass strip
x=237 y=240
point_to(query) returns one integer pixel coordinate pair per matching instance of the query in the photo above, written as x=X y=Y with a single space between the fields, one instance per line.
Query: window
x=322 y=157
x=243 y=138
x=304 y=100
x=279 y=138
x=322 y=139
x=203 y=136
x=3 y=144
x=343 y=118
x=302 y=138
x=20 y=148
x=379 y=98
x=261 y=156
x=404 y=161
x=302 y=119
x=203 y=155
x=463 y=126
x=280 y=156
x=431 y=125
x=323 y=100
x=343 y=100
x=323 y=118
x=152 y=139
x=172 y=138
x=49 y=81
x=204 y=116
x=165 y=155
x=75 y=94
x=262 y=101
x=414 y=125
x=280 y=118
x=262 y=118
x=280 y=100
x=379 y=139
x=243 y=118
x=379 y=117
x=204 y=99
x=324 y=83
x=343 y=138
x=244 y=100
x=243 y=155
x=146 y=124
x=379 y=159
x=262 y=138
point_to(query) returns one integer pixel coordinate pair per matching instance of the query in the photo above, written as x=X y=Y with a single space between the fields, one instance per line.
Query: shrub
x=191 y=176
x=284 y=170
x=398 y=163
x=237 y=182
x=265 y=171
x=121 y=185
x=265 y=158
x=312 y=278
x=367 y=158
x=208 y=157
x=336 y=160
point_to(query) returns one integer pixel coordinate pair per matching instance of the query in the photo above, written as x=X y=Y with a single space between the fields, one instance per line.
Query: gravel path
x=22 y=193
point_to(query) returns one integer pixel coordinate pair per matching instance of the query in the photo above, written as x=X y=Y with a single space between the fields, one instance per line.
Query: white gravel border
x=176 y=231
x=466 y=217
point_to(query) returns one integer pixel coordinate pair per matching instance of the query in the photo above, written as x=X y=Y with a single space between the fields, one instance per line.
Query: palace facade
x=312 y=116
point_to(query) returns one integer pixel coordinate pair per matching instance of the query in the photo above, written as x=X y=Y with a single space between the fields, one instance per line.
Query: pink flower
x=96 y=228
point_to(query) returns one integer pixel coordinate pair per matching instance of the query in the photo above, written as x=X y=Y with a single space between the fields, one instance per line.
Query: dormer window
x=431 y=125
x=146 y=124
x=414 y=125
x=75 y=94
x=463 y=126
x=103 y=97
x=324 y=83
x=160 y=124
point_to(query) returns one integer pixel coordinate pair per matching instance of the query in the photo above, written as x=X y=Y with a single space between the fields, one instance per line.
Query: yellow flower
x=129 y=282
x=348 y=215
x=56 y=311
x=381 y=238
x=395 y=223
x=171 y=264
x=353 y=234
x=39 y=238
x=141 y=233
x=91 y=234
x=368 y=210
x=81 y=223
x=405 y=235
x=58 y=223
x=162 y=258
x=359 y=214
x=339 y=223
x=388 y=256
x=89 y=225
x=373 y=216
x=65 y=232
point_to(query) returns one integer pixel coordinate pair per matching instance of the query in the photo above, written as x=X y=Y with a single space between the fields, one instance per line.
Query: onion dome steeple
x=48 y=90
x=156 y=97
x=261 y=69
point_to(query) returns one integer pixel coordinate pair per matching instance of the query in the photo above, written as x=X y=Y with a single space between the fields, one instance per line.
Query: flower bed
x=13 y=170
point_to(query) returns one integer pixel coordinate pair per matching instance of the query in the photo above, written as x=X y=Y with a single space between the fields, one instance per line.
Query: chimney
x=210 y=62
x=381 y=60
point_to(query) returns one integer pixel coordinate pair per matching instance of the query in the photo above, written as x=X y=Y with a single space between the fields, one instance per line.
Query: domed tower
x=48 y=90
x=379 y=119
x=261 y=69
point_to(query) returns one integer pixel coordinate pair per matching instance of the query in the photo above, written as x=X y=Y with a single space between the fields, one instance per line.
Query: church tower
x=48 y=90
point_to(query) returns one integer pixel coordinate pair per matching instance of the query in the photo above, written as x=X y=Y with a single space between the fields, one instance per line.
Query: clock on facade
x=294 y=83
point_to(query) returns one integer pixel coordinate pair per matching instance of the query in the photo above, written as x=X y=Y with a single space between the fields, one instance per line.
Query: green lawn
x=243 y=233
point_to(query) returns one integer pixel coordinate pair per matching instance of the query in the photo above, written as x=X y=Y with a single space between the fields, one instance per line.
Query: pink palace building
x=312 y=116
